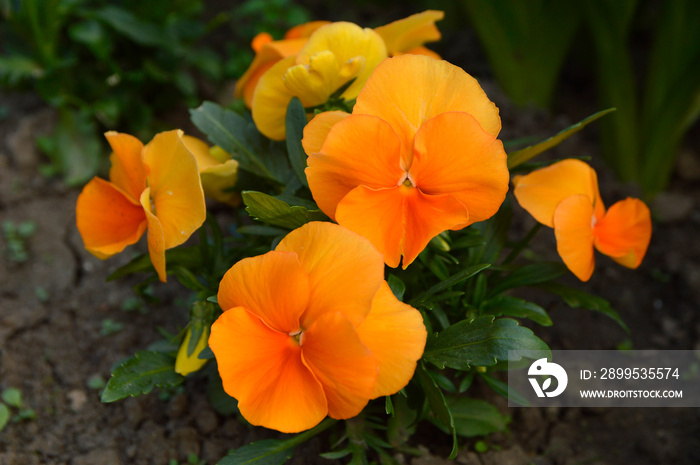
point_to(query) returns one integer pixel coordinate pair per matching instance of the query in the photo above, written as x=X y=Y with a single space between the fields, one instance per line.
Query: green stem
x=522 y=244
x=306 y=435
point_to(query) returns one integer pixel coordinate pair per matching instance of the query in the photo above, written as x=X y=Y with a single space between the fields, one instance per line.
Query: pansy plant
x=391 y=156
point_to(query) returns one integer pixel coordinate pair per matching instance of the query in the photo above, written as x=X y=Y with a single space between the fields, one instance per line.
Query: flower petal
x=175 y=186
x=263 y=369
x=379 y=215
x=344 y=270
x=541 y=191
x=346 y=41
x=186 y=364
x=625 y=232
x=270 y=100
x=359 y=150
x=272 y=286
x=454 y=155
x=573 y=230
x=303 y=31
x=408 y=33
x=259 y=40
x=107 y=219
x=269 y=54
x=426 y=217
x=201 y=152
x=420 y=51
x=395 y=334
x=218 y=182
x=346 y=369
x=317 y=130
x=156 y=238
x=128 y=171
x=408 y=90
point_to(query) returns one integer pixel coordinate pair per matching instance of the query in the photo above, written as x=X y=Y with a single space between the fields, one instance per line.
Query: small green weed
x=12 y=398
x=110 y=326
x=16 y=236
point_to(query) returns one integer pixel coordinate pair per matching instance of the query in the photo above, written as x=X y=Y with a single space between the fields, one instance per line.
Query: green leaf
x=186 y=257
x=4 y=416
x=140 y=374
x=502 y=388
x=222 y=403
x=76 y=150
x=272 y=451
x=388 y=405
x=528 y=275
x=266 y=452
x=523 y=155
x=12 y=397
x=15 y=68
x=438 y=405
x=526 y=43
x=451 y=281
x=482 y=341
x=519 y=308
x=260 y=230
x=475 y=417
x=206 y=354
x=26 y=414
x=398 y=288
x=186 y=278
x=575 y=298
x=237 y=136
x=295 y=122
x=134 y=28
x=336 y=455
x=268 y=209
x=92 y=34
x=494 y=232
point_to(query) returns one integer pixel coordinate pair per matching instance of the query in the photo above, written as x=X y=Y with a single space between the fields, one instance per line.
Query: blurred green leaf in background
x=646 y=62
x=123 y=65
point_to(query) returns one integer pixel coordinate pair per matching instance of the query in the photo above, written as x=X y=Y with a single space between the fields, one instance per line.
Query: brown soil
x=53 y=309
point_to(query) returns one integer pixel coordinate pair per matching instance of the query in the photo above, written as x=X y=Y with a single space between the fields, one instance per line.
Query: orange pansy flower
x=418 y=155
x=311 y=329
x=156 y=187
x=565 y=196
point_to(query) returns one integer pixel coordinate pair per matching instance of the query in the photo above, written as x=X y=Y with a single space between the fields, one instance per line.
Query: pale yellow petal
x=270 y=100
x=347 y=41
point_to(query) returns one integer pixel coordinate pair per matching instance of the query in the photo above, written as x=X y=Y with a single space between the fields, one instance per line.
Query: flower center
x=406 y=180
x=297 y=336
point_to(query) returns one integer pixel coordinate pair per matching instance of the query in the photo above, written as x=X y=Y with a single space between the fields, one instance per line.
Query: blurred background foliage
x=126 y=65
x=645 y=56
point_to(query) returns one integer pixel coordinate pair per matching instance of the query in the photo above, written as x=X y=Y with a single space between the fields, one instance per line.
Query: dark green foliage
x=140 y=374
